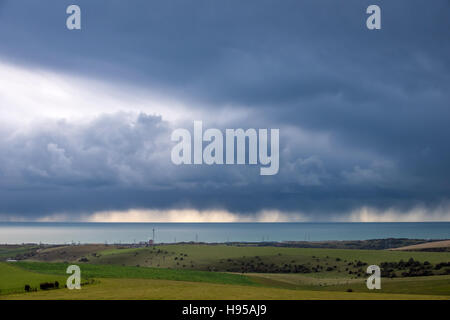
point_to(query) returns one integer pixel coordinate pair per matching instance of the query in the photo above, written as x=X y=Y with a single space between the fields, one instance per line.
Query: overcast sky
x=86 y=115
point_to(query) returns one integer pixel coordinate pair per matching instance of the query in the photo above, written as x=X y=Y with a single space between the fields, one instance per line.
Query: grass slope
x=434 y=285
x=166 y=289
x=110 y=271
x=205 y=254
x=11 y=251
x=187 y=264
x=334 y=263
x=13 y=279
x=430 y=285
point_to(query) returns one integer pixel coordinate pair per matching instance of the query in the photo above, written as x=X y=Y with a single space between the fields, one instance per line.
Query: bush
x=349 y=290
x=27 y=288
x=47 y=285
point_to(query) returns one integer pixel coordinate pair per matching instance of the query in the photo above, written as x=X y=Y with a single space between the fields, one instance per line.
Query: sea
x=121 y=233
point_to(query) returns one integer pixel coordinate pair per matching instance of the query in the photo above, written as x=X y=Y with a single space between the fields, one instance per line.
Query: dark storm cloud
x=363 y=114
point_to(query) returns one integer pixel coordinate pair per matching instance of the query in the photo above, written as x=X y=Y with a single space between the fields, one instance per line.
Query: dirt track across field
x=428 y=245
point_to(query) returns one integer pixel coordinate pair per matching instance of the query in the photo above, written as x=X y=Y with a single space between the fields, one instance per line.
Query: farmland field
x=208 y=256
x=195 y=271
x=15 y=250
x=14 y=279
x=167 y=289
x=110 y=271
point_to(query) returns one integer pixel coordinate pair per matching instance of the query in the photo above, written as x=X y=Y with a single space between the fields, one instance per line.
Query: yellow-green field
x=166 y=289
x=205 y=255
x=14 y=279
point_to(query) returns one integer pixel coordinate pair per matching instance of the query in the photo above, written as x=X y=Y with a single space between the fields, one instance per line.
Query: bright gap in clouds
x=363 y=214
x=186 y=215
x=416 y=214
x=30 y=94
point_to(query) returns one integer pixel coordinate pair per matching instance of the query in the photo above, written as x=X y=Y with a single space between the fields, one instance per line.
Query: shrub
x=47 y=285
x=27 y=288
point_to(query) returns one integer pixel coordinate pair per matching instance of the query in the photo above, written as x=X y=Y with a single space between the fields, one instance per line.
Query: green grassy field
x=321 y=263
x=14 y=279
x=12 y=251
x=167 y=289
x=208 y=253
x=432 y=285
x=204 y=256
x=198 y=272
x=111 y=271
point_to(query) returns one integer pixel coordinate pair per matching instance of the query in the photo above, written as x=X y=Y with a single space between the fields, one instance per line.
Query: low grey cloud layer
x=363 y=115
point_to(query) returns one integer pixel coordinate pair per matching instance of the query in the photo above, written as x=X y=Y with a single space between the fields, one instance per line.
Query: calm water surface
x=27 y=232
